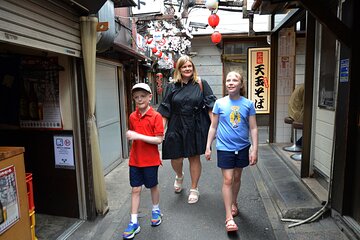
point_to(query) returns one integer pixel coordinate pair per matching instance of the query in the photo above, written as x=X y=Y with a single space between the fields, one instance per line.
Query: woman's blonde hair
x=240 y=77
x=180 y=62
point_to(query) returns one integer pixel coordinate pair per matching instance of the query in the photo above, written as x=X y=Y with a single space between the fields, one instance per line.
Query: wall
x=285 y=87
x=208 y=62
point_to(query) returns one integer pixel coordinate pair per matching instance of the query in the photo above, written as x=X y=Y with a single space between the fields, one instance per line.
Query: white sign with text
x=64 y=152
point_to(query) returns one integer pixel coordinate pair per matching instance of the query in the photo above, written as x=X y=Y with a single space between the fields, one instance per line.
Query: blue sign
x=344 y=70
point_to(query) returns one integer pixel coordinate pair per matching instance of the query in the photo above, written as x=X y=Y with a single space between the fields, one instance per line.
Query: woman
x=186 y=111
x=233 y=118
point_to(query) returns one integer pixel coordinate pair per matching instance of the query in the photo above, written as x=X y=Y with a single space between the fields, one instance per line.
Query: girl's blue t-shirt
x=233 y=128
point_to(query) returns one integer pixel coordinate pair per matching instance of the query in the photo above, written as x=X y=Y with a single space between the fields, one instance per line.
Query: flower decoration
x=167 y=39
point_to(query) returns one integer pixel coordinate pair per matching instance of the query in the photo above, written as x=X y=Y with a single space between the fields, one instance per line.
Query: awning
x=128 y=53
x=124 y=3
x=93 y=6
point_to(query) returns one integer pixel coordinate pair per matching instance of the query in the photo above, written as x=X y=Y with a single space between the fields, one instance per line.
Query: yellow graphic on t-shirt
x=235 y=116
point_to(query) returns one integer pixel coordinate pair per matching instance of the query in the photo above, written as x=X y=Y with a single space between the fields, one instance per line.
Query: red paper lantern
x=154 y=50
x=159 y=75
x=162 y=42
x=159 y=54
x=216 y=37
x=149 y=40
x=213 y=20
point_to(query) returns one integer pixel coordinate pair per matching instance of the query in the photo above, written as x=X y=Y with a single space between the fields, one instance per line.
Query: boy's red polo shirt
x=144 y=154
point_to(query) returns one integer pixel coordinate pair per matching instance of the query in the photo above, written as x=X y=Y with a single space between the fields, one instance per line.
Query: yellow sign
x=259 y=78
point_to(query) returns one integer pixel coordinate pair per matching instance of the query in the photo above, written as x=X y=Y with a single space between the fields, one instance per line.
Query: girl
x=233 y=119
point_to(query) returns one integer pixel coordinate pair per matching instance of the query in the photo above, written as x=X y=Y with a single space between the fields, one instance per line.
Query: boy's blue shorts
x=147 y=176
x=229 y=160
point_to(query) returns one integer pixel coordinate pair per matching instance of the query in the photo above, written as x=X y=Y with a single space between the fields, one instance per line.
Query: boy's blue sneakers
x=156 y=217
x=131 y=230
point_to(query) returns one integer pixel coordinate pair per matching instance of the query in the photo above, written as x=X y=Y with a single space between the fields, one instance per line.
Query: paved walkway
x=269 y=191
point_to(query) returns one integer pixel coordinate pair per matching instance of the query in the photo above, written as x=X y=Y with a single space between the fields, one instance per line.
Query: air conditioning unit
x=106 y=38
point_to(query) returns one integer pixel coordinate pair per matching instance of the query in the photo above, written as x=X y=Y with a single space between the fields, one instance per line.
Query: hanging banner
x=259 y=78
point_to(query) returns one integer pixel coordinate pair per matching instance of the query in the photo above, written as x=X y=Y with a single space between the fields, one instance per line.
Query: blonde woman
x=186 y=111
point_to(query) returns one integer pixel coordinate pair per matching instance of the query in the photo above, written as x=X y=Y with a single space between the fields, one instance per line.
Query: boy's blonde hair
x=180 y=62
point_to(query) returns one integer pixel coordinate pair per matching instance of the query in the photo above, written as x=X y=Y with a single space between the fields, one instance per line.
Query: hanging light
x=212 y=4
x=216 y=37
x=154 y=50
x=213 y=20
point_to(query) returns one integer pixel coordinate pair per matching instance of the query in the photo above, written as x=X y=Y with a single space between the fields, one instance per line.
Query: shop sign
x=9 y=202
x=148 y=7
x=64 y=152
x=259 y=79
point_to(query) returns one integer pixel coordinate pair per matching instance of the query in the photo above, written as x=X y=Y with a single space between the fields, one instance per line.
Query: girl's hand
x=253 y=157
x=208 y=154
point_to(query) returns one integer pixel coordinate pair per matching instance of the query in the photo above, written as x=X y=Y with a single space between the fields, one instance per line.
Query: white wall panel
x=108 y=114
x=323 y=128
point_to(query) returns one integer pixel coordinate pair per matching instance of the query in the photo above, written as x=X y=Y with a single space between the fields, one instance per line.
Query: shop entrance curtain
x=88 y=41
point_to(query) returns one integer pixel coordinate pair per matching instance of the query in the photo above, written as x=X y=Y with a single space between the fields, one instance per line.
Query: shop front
x=41 y=109
x=313 y=45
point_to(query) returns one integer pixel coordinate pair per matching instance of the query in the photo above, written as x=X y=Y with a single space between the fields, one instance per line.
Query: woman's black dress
x=186 y=107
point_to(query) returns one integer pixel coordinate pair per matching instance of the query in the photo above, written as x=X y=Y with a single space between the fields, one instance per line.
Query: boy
x=146 y=130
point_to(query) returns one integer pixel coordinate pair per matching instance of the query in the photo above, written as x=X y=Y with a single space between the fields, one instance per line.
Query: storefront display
x=33 y=83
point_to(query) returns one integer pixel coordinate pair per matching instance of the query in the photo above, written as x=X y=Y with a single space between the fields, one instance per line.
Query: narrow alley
x=258 y=219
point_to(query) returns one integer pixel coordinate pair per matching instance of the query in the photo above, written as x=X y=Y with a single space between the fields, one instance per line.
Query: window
x=327 y=90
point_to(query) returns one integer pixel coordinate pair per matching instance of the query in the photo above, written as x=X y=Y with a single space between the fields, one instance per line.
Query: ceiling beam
x=326 y=17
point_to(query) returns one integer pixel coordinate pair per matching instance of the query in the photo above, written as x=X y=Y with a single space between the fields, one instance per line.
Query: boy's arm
x=132 y=135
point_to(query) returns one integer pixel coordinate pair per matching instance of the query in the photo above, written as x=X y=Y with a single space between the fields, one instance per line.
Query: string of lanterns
x=214 y=19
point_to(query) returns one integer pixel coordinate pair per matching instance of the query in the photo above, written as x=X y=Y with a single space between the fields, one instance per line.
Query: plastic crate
x=30 y=192
x=32 y=218
x=32 y=225
x=33 y=236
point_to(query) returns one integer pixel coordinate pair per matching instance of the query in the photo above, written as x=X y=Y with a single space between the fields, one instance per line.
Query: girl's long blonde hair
x=240 y=77
x=180 y=62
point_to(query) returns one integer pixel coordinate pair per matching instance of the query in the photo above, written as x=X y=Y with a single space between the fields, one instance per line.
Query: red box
x=30 y=192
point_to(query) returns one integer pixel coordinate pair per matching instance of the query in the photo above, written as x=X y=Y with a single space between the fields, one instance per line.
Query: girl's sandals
x=234 y=209
x=193 y=196
x=178 y=183
x=230 y=225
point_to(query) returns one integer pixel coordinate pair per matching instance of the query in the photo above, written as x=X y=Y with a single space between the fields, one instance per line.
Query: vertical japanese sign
x=259 y=78
x=9 y=201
